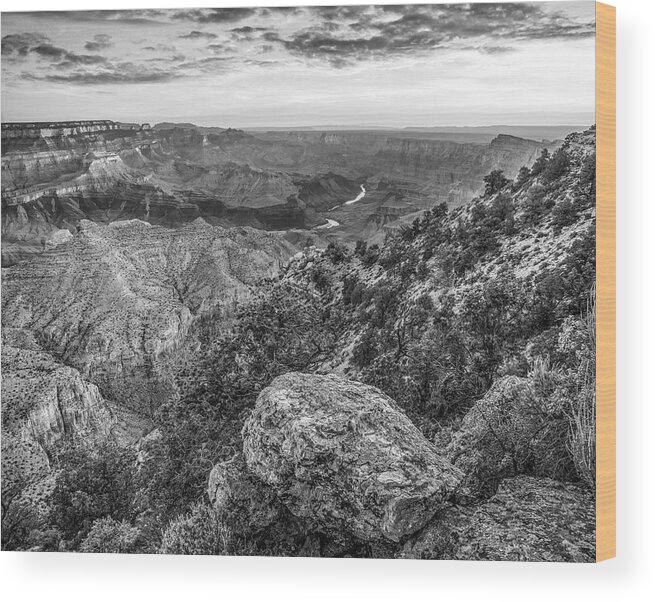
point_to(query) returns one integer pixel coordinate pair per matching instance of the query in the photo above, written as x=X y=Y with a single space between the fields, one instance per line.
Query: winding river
x=359 y=197
x=331 y=223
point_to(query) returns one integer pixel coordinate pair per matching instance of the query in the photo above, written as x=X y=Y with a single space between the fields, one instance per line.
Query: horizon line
x=328 y=125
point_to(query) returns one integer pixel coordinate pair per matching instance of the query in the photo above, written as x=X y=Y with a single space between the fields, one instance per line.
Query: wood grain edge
x=605 y=281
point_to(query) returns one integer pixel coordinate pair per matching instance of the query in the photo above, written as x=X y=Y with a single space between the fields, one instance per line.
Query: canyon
x=56 y=174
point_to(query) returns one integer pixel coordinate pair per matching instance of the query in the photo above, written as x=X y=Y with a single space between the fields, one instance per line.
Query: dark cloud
x=99 y=42
x=214 y=15
x=220 y=48
x=121 y=73
x=160 y=48
x=19 y=44
x=383 y=31
x=48 y=51
x=247 y=29
x=196 y=35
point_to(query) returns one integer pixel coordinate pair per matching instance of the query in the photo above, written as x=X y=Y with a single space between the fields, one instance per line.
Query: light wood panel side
x=605 y=282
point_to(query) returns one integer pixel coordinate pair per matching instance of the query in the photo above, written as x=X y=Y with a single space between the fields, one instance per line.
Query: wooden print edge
x=605 y=282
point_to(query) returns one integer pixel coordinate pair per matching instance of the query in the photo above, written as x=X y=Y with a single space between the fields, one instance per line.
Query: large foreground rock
x=529 y=519
x=343 y=457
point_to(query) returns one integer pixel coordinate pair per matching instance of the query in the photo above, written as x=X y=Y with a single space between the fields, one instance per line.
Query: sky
x=393 y=66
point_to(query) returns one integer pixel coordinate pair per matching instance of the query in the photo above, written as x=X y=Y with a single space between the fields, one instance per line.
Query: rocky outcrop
x=341 y=456
x=528 y=519
x=43 y=404
x=234 y=490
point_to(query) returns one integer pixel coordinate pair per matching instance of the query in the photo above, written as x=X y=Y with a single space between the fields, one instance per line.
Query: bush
x=360 y=248
x=535 y=205
x=371 y=255
x=521 y=178
x=557 y=167
x=578 y=340
x=201 y=531
x=564 y=214
x=337 y=253
x=494 y=182
x=111 y=537
x=541 y=163
x=518 y=427
x=93 y=483
x=587 y=182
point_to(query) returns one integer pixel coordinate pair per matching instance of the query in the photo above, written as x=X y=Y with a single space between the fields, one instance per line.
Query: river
x=359 y=197
x=331 y=223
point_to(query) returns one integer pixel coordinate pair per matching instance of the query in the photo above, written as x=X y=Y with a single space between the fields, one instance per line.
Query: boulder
x=234 y=491
x=528 y=519
x=255 y=515
x=344 y=458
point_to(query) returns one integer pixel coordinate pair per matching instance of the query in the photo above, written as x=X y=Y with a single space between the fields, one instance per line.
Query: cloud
x=339 y=36
x=127 y=17
x=160 y=48
x=121 y=73
x=19 y=44
x=347 y=34
x=100 y=42
x=195 y=35
x=214 y=15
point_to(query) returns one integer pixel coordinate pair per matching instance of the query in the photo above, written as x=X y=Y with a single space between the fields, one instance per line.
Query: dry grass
x=582 y=409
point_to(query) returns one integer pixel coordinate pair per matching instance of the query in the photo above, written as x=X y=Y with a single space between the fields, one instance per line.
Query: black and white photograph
x=300 y=281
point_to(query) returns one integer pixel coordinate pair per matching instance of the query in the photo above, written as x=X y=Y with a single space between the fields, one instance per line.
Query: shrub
x=587 y=181
x=337 y=253
x=521 y=178
x=371 y=255
x=360 y=248
x=93 y=483
x=518 y=427
x=535 y=205
x=201 y=531
x=564 y=214
x=541 y=163
x=557 y=167
x=494 y=182
x=111 y=536
x=578 y=340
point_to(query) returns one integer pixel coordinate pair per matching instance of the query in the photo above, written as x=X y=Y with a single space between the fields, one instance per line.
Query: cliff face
x=91 y=329
x=114 y=299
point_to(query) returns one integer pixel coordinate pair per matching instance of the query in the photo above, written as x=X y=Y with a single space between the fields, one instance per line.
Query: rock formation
x=343 y=457
x=334 y=462
x=115 y=299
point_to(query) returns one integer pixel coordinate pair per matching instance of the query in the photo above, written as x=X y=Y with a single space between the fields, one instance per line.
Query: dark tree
x=494 y=182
